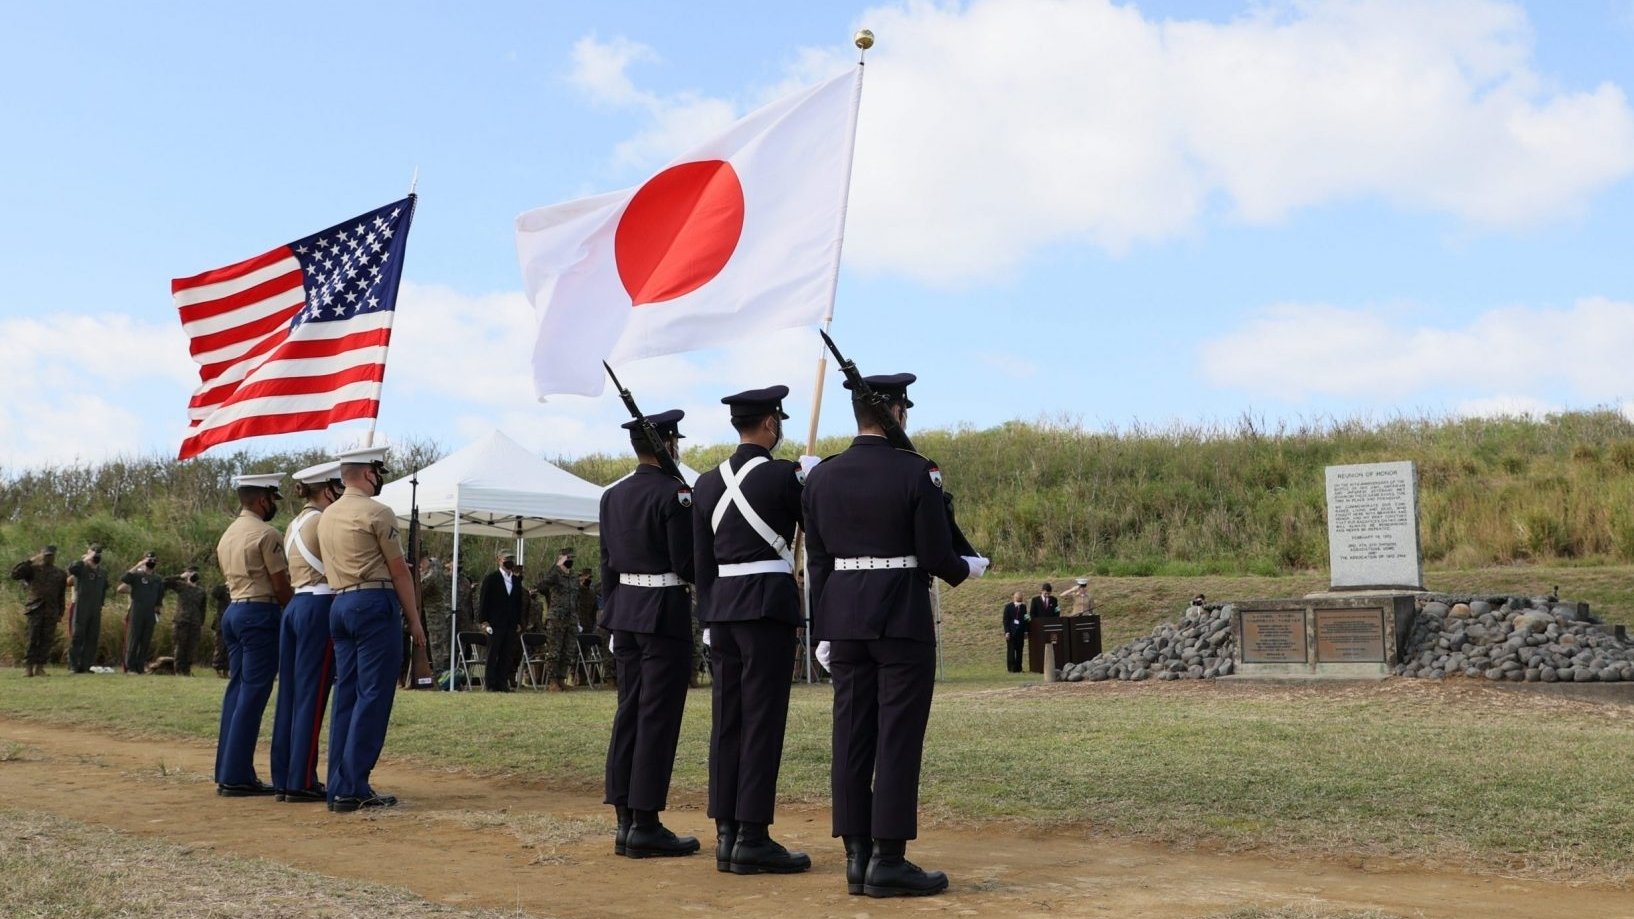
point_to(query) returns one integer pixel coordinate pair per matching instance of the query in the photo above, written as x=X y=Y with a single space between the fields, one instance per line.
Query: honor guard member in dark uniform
x=251 y=556
x=646 y=564
x=47 y=586
x=306 y=656
x=374 y=594
x=877 y=531
x=90 y=582
x=743 y=520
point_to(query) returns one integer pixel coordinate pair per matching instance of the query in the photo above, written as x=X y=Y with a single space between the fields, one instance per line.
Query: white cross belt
x=667 y=579
x=873 y=563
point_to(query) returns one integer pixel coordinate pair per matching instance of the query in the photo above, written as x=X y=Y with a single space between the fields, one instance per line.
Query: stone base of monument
x=1348 y=635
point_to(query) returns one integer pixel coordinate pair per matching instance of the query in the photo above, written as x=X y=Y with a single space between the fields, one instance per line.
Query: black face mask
x=777 y=430
x=567 y=563
x=379 y=482
x=96 y=558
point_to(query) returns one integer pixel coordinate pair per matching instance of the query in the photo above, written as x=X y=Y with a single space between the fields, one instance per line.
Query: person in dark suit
x=646 y=565
x=1045 y=604
x=1016 y=618
x=501 y=606
x=877 y=531
x=743 y=520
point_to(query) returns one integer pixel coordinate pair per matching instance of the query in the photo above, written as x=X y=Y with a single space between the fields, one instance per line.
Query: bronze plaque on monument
x=1349 y=635
x=1273 y=636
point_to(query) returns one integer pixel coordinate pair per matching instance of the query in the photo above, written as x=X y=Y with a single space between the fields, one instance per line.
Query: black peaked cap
x=755 y=402
x=892 y=386
x=667 y=423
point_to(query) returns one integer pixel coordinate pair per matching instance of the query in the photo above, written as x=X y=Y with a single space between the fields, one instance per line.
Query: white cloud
x=993 y=128
x=77 y=385
x=1505 y=406
x=1503 y=357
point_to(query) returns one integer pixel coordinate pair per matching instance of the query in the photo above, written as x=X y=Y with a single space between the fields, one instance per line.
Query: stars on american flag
x=345 y=268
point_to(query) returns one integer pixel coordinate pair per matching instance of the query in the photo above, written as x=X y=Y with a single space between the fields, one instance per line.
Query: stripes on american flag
x=294 y=339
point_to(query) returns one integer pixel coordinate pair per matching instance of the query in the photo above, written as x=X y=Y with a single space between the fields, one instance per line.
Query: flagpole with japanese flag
x=738 y=237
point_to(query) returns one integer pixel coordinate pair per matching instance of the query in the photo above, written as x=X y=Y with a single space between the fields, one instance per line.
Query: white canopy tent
x=494 y=487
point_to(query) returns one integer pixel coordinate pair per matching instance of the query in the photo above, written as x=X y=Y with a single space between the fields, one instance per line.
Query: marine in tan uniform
x=306 y=657
x=251 y=556
x=374 y=596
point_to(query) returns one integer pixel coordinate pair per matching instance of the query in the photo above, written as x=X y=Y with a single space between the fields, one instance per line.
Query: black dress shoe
x=345 y=804
x=253 y=789
x=890 y=874
x=726 y=836
x=304 y=795
x=650 y=839
x=757 y=852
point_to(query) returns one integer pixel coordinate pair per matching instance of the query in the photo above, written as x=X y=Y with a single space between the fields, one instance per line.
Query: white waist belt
x=739 y=569
x=667 y=579
x=870 y=563
x=322 y=590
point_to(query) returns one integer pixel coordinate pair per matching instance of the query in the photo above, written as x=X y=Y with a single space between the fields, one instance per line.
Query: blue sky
x=1163 y=212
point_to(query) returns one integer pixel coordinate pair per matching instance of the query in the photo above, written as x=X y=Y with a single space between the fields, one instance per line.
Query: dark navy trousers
x=653 y=672
x=251 y=633
x=306 y=668
x=367 y=628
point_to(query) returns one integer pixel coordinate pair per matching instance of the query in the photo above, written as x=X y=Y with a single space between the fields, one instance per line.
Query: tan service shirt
x=250 y=553
x=301 y=572
x=357 y=536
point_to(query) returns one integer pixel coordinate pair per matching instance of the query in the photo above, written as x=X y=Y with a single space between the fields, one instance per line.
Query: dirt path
x=505 y=844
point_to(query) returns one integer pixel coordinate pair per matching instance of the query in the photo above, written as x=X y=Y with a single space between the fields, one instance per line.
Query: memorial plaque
x=1350 y=636
x=1373 y=526
x=1273 y=636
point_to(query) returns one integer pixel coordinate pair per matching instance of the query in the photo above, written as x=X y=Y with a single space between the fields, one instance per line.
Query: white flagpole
x=864 y=40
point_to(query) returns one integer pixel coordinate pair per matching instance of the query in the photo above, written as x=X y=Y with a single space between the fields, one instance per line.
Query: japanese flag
x=739 y=236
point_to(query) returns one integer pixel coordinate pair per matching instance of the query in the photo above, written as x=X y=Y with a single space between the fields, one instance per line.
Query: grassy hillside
x=1037 y=497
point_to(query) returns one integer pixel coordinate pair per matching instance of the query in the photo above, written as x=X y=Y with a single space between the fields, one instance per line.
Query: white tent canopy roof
x=498 y=488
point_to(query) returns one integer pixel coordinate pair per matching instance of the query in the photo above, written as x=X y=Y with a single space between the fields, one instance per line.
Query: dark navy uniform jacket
x=876 y=500
x=646 y=528
x=773 y=490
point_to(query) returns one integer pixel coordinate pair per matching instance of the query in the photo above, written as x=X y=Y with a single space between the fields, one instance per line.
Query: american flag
x=294 y=339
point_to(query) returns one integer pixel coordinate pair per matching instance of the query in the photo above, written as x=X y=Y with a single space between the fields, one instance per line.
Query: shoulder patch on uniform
x=800 y=474
x=684 y=495
x=935 y=475
x=393 y=533
x=278 y=548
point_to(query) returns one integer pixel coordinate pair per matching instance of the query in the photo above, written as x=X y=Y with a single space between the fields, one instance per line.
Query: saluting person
x=47 y=586
x=374 y=594
x=743 y=521
x=646 y=564
x=251 y=557
x=877 y=531
x=306 y=656
x=90 y=582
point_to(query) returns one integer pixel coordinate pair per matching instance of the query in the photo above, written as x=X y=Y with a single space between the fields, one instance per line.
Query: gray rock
x=1479 y=607
x=1077 y=676
x=1515 y=676
x=1582 y=675
x=1226 y=667
x=1496 y=673
x=1566 y=611
x=1611 y=675
x=1435 y=608
x=1533 y=674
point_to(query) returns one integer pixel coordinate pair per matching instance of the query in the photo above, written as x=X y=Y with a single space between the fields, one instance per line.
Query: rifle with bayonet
x=421 y=674
x=894 y=434
x=648 y=430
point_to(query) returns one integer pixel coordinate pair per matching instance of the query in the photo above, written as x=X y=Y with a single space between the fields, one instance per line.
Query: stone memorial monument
x=1356 y=629
x=1373 y=527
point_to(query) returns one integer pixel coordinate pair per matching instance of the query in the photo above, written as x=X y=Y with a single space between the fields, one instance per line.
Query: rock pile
x=1199 y=646
x=1518 y=639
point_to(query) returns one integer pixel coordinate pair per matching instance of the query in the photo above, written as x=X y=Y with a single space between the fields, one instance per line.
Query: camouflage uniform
x=222 y=599
x=434 y=607
x=47 y=585
x=189 y=621
x=562 y=627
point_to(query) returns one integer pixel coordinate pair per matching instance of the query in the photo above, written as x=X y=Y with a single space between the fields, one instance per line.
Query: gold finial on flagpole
x=864 y=39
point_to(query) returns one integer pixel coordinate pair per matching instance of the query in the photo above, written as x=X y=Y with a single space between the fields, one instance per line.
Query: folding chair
x=533 y=652
x=470 y=663
x=589 y=664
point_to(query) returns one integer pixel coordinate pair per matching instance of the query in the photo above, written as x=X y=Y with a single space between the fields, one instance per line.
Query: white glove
x=808 y=463
x=823 y=649
x=978 y=565
x=611 y=636
x=489 y=629
x=706 y=637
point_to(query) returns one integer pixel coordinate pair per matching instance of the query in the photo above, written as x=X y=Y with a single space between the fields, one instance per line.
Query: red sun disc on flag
x=678 y=231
